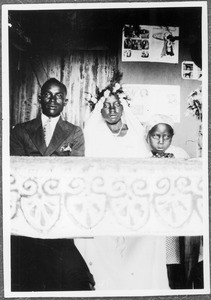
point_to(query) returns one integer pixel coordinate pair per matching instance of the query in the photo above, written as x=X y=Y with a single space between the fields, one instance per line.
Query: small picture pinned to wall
x=190 y=70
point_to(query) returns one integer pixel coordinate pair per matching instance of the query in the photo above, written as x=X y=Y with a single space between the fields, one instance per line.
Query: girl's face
x=112 y=110
x=160 y=137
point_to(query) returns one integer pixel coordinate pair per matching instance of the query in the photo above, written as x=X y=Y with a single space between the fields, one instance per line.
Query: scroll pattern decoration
x=87 y=200
x=39 y=203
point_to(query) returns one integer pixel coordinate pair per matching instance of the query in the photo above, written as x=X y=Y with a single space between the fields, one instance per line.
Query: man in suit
x=28 y=139
x=48 y=264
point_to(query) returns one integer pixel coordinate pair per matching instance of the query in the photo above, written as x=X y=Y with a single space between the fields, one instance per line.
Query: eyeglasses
x=166 y=137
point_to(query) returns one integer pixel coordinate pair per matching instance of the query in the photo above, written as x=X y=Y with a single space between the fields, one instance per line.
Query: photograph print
x=105 y=157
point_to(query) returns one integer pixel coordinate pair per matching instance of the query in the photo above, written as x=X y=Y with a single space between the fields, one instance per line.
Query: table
x=62 y=197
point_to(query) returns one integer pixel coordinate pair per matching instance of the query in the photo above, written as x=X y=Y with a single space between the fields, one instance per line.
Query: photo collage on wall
x=150 y=43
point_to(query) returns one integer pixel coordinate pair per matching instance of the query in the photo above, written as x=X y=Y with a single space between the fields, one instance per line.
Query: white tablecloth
x=54 y=197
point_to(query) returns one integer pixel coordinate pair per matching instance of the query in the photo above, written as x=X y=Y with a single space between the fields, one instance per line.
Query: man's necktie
x=47 y=131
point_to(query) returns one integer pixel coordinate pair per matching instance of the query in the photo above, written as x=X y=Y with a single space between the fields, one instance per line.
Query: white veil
x=96 y=132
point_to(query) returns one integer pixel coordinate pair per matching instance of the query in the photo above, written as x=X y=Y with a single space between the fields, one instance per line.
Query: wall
x=82 y=48
x=186 y=131
x=169 y=74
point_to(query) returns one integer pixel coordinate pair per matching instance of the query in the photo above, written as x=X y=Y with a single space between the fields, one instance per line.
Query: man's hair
x=54 y=81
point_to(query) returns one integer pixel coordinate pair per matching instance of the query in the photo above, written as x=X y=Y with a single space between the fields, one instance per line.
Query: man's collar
x=44 y=119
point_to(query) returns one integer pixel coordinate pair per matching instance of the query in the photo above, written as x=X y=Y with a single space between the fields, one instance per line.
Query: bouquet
x=194 y=101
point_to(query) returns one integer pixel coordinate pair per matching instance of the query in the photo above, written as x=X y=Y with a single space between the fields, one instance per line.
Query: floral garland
x=114 y=88
x=195 y=103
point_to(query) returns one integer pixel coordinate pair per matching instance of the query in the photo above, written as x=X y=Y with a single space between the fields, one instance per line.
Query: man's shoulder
x=70 y=126
x=26 y=124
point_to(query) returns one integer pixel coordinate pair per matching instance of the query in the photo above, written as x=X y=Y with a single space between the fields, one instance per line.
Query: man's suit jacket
x=27 y=139
x=47 y=264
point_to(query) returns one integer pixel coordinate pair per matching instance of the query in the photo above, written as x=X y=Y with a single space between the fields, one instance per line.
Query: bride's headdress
x=95 y=125
x=113 y=88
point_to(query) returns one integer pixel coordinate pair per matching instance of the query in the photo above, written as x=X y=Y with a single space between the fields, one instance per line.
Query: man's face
x=112 y=110
x=53 y=99
x=160 y=137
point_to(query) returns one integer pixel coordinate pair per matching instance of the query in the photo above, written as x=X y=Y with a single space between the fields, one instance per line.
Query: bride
x=120 y=262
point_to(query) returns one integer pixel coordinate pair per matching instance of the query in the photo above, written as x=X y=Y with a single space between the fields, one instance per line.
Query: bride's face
x=112 y=110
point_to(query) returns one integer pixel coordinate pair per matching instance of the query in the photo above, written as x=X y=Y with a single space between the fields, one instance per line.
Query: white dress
x=122 y=263
x=104 y=144
x=125 y=263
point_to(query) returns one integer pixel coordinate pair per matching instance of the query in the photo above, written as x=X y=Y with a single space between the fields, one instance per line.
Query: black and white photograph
x=105 y=149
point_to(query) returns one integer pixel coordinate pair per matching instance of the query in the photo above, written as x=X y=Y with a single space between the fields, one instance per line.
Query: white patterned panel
x=64 y=197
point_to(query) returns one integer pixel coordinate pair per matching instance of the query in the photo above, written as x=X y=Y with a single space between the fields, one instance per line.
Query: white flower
x=106 y=93
x=190 y=101
x=102 y=99
x=66 y=148
x=88 y=96
x=121 y=96
x=116 y=87
x=94 y=100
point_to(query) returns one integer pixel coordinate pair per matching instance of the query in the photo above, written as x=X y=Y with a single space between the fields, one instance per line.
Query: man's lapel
x=60 y=134
x=35 y=132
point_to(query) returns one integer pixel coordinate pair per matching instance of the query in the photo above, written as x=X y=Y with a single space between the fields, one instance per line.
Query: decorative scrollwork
x=199 y=200
x=50 y=186
x=30 y=187
x=76 y=186
x=175 y=206
x=130 y=211
x=88 y=210
x=182 y=184
x=98 y=185
x=138 y=187
x=41 y=212
x=200 y=185
x=117 y=188
x=97 y=195
x=14 y=200
x=12 y=180
x=41 y=206
x=199 y=207
x=163 y=186
x=14 y=197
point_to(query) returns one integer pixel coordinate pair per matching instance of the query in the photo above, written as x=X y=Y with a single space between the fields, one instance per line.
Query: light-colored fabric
x=172 y=243
x=49 y=125
x=172 y=250
x=126 y=262
x=122 y=262
x=91 y=197
x=54 y=120
x=158 y=119
x=100 y=142
x=47 y=131
x=201 y=250
x=178 y=152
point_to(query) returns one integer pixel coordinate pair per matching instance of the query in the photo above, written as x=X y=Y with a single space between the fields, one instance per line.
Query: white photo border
x=5 y=142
